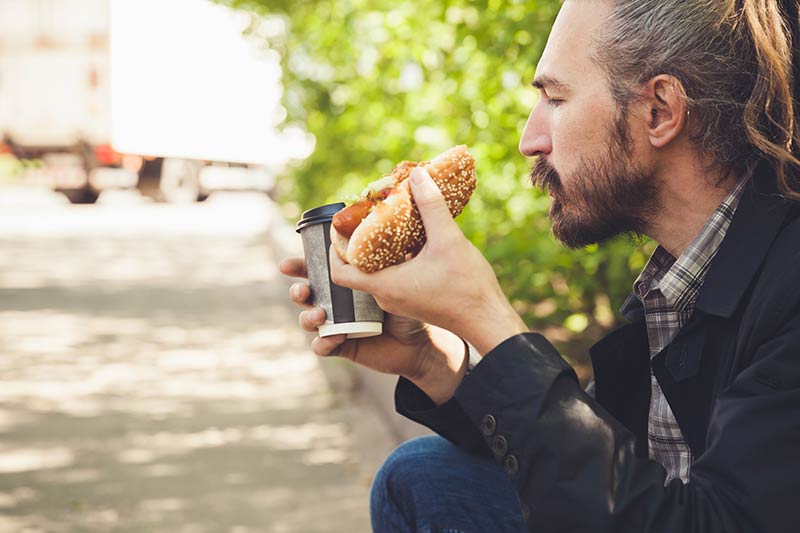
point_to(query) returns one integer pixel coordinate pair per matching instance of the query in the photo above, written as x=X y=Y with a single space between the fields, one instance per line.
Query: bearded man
x=670 y=118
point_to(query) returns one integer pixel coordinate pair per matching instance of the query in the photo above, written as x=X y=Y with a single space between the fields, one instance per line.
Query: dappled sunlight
x=162 y=470
x=22 y=333
x=203 y=245
x=9 y=419
x=24 y=459
x=65 y=373
x=165 y=504
x=135 y=456
x=72 y=476
x=318 y=457
x=15 y=497
x=325 y=443
x=154 y=377
x=31 y=522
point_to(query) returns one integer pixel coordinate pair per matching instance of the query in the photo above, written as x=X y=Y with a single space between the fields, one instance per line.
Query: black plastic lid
x=319 y=215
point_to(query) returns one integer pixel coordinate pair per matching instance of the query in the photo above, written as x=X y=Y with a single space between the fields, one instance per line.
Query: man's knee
x=428 y=484
x=413 y=462
x=408 y=478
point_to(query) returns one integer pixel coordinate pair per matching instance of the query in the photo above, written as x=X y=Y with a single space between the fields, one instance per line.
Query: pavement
x=154 y=378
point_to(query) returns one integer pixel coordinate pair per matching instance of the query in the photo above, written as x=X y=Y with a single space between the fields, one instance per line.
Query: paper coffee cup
x=347 y=311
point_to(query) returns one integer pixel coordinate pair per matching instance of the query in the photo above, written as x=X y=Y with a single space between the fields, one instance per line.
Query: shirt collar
x=680 y=280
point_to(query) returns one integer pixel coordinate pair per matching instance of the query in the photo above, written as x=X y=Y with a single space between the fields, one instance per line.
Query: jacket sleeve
x=573 y=465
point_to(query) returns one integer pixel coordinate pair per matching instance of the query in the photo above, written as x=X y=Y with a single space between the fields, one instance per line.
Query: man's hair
x=734 y=59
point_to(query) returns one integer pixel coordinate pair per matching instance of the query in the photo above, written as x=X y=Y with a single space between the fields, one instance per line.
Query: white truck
x=167 y=96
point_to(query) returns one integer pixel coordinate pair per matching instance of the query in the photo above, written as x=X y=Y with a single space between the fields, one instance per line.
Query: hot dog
x=383 y=225
x=348 y=219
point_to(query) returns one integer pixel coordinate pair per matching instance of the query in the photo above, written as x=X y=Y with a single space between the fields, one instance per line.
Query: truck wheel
x=80 y=196
x=180 y=181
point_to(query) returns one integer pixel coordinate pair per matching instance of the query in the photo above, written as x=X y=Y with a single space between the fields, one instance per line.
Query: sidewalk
x=154 y=379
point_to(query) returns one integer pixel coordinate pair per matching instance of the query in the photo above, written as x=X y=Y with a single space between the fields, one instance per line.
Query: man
x=671 y=118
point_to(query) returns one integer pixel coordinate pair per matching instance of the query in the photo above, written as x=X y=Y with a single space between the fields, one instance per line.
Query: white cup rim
x=354 y=330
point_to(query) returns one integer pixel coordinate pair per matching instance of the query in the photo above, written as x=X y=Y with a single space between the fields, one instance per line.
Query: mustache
x=545 y=177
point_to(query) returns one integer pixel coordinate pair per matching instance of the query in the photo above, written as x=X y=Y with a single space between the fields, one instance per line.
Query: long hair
x=738 y=64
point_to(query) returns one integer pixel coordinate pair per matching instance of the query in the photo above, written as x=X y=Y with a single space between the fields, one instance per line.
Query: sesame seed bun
x=393 y=228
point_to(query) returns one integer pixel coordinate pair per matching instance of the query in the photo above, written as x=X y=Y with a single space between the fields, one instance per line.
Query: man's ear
x=665 y=99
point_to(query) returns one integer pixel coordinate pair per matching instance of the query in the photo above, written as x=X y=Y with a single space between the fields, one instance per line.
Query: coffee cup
x=351 y=312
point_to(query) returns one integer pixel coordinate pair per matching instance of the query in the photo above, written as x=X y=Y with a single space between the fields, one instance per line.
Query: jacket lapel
x=622 y=379
x=757 y=221
x=687 y=369
x=686 y=377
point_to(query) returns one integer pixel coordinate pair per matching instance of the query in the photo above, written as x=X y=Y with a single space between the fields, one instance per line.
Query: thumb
x=431 y=204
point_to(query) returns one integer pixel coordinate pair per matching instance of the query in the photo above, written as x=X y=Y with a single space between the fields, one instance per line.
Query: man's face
x=587 y=153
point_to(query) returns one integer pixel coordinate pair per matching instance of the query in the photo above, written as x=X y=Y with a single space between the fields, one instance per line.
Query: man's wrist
x=444 y=366
x=502 y=324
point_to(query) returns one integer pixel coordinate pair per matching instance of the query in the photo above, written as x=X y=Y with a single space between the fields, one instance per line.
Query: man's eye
x=555 y=102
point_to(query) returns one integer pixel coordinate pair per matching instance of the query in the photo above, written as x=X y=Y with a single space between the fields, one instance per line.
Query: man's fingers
x=300 y=293
x=312 y=319
x=346 y=275
x=432 y=207
x=294 y=267
x=324 y=346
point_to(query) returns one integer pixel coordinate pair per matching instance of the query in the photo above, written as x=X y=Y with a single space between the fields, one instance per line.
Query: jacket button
x=488 y=425
x=499 y=446
x=526 y=512
x=511 y=465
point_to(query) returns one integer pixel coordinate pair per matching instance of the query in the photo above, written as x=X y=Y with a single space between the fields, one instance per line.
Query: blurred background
x=154 y=156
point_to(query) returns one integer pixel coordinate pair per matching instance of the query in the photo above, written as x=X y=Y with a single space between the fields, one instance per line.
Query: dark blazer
x=731 y=376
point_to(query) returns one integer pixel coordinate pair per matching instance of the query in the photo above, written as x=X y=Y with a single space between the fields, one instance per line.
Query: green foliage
x=379 y=81
x=10 y=167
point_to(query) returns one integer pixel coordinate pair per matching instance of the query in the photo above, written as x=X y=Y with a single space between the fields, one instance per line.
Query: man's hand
x=448 y=284
x=432 y=358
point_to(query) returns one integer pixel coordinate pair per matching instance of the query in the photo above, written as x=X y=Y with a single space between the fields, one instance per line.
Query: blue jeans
x=427 y=485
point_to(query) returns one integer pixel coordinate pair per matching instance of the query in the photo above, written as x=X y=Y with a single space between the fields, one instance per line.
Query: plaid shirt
x=668 y=289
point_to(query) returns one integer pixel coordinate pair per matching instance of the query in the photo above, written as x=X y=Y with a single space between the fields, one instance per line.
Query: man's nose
x=536 y=138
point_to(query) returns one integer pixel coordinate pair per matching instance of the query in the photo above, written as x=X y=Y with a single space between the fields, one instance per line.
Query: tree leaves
x=380 y=81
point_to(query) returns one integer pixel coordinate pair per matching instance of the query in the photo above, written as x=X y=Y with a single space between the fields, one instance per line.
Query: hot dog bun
x=393 y=228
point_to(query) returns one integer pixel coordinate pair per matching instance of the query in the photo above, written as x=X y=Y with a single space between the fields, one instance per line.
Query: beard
x=606 y=196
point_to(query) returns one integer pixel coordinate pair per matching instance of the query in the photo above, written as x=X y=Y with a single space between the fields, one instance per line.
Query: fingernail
x=417 y=175
x=317 y=316
x=295 y=291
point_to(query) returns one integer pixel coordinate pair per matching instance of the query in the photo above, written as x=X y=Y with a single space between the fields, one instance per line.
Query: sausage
x=347 y=220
